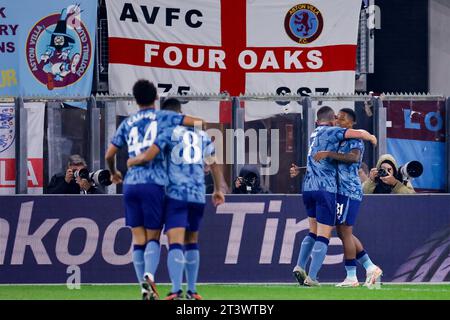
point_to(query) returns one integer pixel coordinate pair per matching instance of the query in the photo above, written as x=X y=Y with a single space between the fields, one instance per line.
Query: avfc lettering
x=191 y=17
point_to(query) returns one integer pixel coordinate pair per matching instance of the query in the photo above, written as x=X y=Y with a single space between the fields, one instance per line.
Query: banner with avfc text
x=249 y=239
x=47 y=47
x=234 y=46
x=416 y=131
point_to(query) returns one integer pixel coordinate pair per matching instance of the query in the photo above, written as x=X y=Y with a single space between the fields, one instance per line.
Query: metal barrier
x=102 y=120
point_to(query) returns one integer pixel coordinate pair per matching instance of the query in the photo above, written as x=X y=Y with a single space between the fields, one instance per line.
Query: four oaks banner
x=235 y=46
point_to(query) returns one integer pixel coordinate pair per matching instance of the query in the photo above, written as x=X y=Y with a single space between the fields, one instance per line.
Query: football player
x=144 y=185
x=187 y=150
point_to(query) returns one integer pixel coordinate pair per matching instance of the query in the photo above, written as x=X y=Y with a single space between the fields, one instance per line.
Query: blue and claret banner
x=256 y=239
x=47 y=47
x=417 y=132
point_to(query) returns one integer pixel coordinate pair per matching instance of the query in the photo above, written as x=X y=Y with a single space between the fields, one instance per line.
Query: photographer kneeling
x=71 y=182
x=386 y=179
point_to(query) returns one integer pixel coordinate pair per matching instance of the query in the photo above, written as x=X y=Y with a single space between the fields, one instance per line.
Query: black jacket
x=58 y=185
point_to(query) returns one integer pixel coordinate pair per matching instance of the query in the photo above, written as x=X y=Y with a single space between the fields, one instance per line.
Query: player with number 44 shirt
x=187 y=150
x=144 y=185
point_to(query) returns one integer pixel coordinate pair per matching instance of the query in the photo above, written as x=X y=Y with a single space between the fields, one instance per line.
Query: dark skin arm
x=361 y=134
x=110 y=157
x=193 y=122
x=217 y=197
x=351 y=157
x=153 y=151
x=144 y=157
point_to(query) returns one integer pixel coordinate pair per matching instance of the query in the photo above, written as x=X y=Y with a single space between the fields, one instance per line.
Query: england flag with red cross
x=237 y=46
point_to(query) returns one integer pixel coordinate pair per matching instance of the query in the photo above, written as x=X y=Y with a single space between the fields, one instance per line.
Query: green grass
x=230 y=292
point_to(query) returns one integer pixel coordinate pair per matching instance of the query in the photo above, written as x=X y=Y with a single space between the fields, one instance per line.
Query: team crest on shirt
x=303 y=23
x=59 y=49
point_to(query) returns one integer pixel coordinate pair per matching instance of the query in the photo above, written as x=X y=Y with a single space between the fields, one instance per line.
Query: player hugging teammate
x=332 y=194
x=164 y=186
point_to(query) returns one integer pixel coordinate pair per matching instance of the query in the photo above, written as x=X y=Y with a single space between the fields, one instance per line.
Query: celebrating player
x=144 y=185
x=187 y=149
x=349 y=197
x=319 y=193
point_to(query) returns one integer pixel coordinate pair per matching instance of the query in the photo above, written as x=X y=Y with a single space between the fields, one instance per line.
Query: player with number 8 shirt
x=144 y=185
x=187 y=150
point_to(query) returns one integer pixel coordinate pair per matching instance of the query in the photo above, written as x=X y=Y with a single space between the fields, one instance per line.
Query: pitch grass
x=230 y=292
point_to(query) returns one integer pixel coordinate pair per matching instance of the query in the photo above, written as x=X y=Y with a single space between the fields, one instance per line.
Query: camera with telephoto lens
x=100 y=177
x=412 y=169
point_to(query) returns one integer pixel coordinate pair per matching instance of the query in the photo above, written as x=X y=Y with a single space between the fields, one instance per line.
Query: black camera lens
x=414 y=169
x=102 y=177
x=382 y=173
x=82 y=174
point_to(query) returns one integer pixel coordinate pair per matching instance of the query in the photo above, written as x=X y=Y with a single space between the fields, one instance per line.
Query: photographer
x=66 y=183
x=248 y=181
x=385 y=179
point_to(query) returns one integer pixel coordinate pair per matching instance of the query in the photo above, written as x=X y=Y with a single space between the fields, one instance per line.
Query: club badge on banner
x=47 y=48
x=242 y=46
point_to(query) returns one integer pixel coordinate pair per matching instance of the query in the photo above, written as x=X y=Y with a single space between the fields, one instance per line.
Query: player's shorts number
x=136 y=146
x=340 y=209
